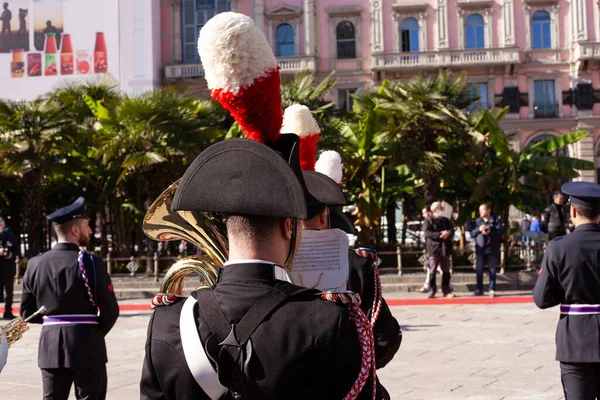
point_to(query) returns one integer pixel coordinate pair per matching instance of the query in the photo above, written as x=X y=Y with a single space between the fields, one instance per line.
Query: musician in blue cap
x=570 y=276
x=81 y=309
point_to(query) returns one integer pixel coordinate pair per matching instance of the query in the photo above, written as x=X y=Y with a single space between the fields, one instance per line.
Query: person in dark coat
x=388 y=335
x=439 y=234
x=8 y=249
x=250 y=335
x=555 y=217
x=570 y=276
x=81 y=308
x=487 y=233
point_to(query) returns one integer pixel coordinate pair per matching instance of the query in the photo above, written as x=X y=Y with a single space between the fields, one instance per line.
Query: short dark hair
x=64 y=228
x=251 y=226
x=557 y=193
x=588 y=212
x=487 y=205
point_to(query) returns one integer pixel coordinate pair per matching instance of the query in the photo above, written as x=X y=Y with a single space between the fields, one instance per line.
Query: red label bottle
x=50 y=64
x=100 y=56
x=67 y=63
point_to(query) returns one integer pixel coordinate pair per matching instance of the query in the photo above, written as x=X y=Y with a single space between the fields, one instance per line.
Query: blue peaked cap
x=69 y=213
x=582 y=193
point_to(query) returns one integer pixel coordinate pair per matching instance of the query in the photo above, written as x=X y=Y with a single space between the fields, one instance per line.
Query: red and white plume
x=330 y=164
x=299 y=120
x=242 y=74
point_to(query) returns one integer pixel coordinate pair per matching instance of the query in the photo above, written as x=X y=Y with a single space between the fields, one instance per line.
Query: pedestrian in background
x=487 y=233
x=7 y=268
x=525 y=226
x=555 y=217
x=439 y=234
x=426 y=213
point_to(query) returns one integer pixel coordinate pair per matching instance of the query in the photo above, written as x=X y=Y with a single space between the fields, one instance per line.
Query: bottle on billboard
x=100 y=56
x=50 y=55
x=17 y=66
x=83 y=62
x=66 y=55
x=34 y=64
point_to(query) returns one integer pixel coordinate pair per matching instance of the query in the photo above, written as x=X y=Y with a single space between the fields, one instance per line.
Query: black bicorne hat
x=240 y=176
x=324 y=188
x=339 y=220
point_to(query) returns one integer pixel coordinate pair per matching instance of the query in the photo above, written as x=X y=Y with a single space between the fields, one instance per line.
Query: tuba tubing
x=206 y=231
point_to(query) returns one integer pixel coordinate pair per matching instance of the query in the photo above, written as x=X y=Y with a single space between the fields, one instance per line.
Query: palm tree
x=504 y=174
x=425 y=124
x=32 y=145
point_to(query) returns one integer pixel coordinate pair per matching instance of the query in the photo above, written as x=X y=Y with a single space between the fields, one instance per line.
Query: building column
x=461 y=28
x=310 y=25
x=176 y=42
x=508 y=16
x=579 y=20
x=442 y=24
x=377 y=26
x=584 y=150
x=258 y=14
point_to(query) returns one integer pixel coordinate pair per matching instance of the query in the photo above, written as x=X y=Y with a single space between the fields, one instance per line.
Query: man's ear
x=324 y=218
x=573 y=212
x=287 y=227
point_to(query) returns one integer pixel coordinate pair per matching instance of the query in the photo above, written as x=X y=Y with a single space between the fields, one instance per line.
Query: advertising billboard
x=44 y=43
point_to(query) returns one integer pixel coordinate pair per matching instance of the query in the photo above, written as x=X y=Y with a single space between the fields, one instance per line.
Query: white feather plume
x=299 y=120
x=330 y=164
x=234 y=52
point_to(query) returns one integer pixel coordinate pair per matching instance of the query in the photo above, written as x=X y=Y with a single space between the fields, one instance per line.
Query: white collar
x=247 y=261
x=280 y=272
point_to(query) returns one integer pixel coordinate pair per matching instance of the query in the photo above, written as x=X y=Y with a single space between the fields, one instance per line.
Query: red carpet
x=145 y=305
x=460 y=300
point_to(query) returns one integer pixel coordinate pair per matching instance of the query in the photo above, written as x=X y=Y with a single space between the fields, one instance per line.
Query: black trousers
x=90 y=383
x=7 y=271
x=581 y=381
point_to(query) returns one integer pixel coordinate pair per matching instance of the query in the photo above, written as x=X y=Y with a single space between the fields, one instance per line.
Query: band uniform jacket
x=52 y=279
x=299 y=352
x=570 y=274
x=386 y=332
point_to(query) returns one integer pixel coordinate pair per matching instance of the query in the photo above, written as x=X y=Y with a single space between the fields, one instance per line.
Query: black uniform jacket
x=52 y=279
x=306 y=349
x=570 y=274
x=387 y=330
x=432 y=228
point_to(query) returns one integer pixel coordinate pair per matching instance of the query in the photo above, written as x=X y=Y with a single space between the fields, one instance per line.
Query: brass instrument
x=13 y=331
x=205 y=230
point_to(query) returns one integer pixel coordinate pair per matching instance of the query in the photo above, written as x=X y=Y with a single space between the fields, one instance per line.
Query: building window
x=541 y=36
x=345 y=100
x=345 y=36
x=194 y=14
x=409 y=35
x=474 y=32
x=285 y=41
x=479 y=93
x=544 y=103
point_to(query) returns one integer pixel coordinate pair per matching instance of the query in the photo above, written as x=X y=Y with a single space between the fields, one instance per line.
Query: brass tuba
x=205 y=230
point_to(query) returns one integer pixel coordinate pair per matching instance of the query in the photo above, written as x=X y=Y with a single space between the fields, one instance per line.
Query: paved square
x=499 y=351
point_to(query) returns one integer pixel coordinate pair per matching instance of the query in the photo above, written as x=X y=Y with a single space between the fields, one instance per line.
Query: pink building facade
x=541 y=58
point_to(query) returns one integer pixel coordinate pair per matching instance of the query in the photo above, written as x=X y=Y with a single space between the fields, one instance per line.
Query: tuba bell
x=206 y=231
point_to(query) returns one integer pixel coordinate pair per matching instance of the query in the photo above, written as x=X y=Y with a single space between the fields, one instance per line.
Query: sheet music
x=322 y=260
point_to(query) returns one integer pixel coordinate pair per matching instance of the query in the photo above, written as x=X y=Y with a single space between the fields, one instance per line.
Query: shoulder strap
x=219 y=323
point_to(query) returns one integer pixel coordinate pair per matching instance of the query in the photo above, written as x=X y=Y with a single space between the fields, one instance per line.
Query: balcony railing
x=588 y=51
x=446 y=58
x=184 y=71
x=287 y=65
x=545 y=110
x=296 y=64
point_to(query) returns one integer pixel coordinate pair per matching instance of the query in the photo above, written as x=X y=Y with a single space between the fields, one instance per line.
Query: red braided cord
x=85 y=278
x=378 y=298
x=365 y=335
x=163 y=300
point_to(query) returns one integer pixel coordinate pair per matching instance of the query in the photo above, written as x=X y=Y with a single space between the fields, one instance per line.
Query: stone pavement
x=497 y=351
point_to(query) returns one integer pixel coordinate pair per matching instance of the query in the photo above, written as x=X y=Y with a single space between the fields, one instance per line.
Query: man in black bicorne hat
x=570 y=276
x=251 y=336
x=81 y=309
